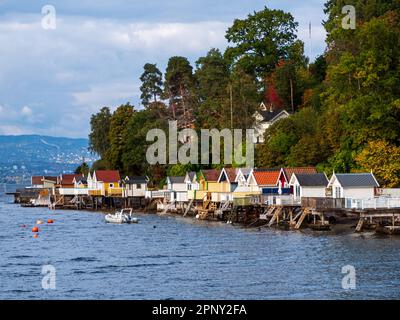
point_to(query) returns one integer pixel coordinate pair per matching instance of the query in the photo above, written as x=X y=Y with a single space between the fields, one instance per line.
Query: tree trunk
x=291 y=94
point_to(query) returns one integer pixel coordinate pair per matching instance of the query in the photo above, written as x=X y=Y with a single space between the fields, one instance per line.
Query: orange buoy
x=50 y=221
x=35 y=229
x=36 y=235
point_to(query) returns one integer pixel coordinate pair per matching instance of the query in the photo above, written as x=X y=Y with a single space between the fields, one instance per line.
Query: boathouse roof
x=136 y=179
x=298 y=170
x=107 y=175
x=312 y=180
x=266 y=177
x=176 y=179
x=356 y=179
x=211 y=174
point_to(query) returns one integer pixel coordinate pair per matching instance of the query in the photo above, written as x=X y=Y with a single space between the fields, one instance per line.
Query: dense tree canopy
x=345 y=105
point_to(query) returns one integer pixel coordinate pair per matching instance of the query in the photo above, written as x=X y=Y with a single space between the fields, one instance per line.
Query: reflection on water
x=176 y=258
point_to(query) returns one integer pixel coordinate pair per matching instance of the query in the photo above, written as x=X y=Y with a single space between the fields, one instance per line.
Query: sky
x=52 y=80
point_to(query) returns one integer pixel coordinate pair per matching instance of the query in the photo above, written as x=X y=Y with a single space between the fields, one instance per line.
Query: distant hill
x=26 y=155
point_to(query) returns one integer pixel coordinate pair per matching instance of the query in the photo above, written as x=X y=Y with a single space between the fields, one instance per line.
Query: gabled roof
x=356 y=179
x=81 y=179
x=269 y=115
x=135 y=180
x=266 y=177
x=312 y=180
x=68 y=178
x=107 y=175
x=211 y=174
x=298 y=170
x=191 y=175
x=176 y=179
x=230 y=174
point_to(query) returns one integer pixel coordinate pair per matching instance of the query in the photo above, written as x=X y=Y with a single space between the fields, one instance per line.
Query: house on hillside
x=353 y=185
x=264 y=118
x=308 y=185
x=104 y=183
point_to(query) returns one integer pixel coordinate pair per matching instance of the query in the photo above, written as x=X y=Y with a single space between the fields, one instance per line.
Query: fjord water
x=177 y=258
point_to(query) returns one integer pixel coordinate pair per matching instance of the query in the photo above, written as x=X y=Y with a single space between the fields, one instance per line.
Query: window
x=111 y=185
x=189 y=186
x=337 y=192
x=297 y=191
x=138 y=186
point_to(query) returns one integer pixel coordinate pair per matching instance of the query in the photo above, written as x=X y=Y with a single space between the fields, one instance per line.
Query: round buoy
x=36 y=235
x=35 y=229
x=39 y=222
x=50 y=221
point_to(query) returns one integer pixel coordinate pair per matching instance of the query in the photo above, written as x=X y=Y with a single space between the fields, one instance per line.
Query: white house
x=264 y=118
x=135 y=186
x=353 y=185
x=178 y=188
x=191 y=181
x=308 y=185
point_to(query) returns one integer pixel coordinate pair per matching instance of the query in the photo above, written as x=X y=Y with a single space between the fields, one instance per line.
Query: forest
x=345 y=105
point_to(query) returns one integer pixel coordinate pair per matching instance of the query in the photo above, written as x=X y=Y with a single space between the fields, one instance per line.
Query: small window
x=138 y=186
x=111 y=185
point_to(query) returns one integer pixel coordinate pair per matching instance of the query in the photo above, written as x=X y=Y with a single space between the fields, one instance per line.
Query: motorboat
x=123 y=216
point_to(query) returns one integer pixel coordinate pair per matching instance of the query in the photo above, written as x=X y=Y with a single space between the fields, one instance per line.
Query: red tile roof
x=211 y=175
x=298 y=170
x=50 y=178
x=266 y=177
x=36 y=180
x=107 y=175
x=69 y=178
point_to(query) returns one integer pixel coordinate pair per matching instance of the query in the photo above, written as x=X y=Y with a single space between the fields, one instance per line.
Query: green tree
x=383 y=159
x=99 y=141
x=179 y=90
x=261 y=41
x=118 y=134
x=151 y=87
x=82 y=169
x=212 y=77
x=135 y=145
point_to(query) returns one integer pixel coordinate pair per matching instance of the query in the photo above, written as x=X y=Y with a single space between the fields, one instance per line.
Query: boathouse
x=104 y=183
x=134 y=186
x=308 y=185
x=353 y=185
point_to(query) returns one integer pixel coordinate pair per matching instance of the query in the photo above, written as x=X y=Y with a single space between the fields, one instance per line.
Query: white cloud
x=26 y=111
x=51 y=81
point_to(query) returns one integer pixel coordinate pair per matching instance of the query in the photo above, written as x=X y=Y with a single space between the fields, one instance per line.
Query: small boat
x=123 y=216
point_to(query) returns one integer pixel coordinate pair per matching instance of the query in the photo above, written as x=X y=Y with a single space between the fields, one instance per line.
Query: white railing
x=73 y=191
x=158 y=194
x=282 y=200
x=374 y=203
